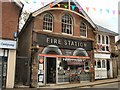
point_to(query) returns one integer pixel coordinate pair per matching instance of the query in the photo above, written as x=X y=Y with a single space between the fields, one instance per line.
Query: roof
x=105 y=30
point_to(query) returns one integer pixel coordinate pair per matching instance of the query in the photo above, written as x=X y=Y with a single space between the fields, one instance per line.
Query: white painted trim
x=101 y=56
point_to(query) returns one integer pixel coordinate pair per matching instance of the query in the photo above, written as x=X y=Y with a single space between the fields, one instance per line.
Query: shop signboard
x=62 y=42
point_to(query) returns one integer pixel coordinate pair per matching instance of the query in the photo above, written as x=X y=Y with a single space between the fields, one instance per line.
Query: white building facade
x=102 y=55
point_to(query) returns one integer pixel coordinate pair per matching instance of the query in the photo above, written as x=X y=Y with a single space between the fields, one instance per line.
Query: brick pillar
x=34 y=71
x=92 y=70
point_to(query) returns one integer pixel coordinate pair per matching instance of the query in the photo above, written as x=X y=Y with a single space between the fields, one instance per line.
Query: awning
x=63 y=56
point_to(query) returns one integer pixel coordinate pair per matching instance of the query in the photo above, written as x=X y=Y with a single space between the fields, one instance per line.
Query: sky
x=107 y=18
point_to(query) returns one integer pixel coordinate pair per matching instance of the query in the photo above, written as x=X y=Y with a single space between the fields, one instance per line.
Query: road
x=109 y=86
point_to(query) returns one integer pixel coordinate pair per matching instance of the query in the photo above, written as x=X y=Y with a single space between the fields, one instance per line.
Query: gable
x=72 y=6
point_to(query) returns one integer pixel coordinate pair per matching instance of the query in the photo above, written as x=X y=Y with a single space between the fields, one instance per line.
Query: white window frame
x=48 y=22
x=84 y=29
x=70 y=32
x=101 y=62
x=103 y=45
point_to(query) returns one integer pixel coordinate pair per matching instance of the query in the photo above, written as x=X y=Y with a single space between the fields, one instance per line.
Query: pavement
x=69 y=86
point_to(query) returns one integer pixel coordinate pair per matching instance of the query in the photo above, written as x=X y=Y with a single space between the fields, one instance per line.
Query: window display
x=71 y=70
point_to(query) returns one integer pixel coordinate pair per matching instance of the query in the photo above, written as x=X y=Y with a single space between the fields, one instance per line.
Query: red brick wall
x=112 y=43
x=57 y=14
x=10 y=14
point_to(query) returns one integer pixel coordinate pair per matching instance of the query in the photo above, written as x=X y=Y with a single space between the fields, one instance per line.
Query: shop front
x=103 y=66
x=63 y=60
x=7 y=63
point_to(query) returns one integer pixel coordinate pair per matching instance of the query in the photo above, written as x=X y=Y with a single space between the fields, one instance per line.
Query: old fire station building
x=56 y=45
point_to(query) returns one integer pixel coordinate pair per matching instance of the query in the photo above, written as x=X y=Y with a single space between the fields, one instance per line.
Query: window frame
x=105 y=46
x=69 y=24
x=83 y=29
x=48 y=22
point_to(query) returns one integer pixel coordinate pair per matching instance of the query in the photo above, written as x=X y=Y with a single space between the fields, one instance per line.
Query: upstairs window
x=99 y=39
x=83 y=29
x=103 y=42
x=48 y=22
x=67 y=24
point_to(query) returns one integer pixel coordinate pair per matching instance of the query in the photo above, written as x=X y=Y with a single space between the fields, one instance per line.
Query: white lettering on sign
x=65 y=42
x=8 y=44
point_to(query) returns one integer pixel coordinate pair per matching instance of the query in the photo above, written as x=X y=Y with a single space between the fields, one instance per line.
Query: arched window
x=67 y=24
x=107 y=39
x=83 y=29
x=48 y=22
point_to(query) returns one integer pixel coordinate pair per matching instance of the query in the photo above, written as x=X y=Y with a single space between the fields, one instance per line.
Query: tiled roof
x=105 y=30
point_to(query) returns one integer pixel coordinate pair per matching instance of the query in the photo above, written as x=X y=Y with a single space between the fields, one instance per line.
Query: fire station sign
x=45 y=40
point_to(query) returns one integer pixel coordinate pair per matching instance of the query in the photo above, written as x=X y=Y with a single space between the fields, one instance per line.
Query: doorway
x=51 y=70
x=108 y=68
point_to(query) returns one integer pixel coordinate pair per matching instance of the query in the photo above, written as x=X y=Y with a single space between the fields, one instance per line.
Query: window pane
x=103 y=63
x=107 y=48
x=99 y=39
x=48 y=22
x=103 y=48
x=83 y=29
x=107 y=40
x=103 y=40
x=99 y=64
x=67 y=24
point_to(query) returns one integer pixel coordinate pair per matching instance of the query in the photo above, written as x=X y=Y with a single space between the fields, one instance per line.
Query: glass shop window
x=99 y=64
x=103 y=63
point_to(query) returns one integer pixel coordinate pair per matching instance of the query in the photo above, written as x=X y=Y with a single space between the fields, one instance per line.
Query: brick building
x=57 y=45
x=9 y=24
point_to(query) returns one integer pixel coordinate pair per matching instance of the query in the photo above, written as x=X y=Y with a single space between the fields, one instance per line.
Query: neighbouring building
x=56 y=45
x=105 y=63
x=9 y=13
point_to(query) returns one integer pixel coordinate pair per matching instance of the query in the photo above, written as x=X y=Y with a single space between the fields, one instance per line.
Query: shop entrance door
x=51 y=70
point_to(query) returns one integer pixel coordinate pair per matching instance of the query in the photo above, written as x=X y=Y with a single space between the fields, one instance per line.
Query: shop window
x=67 y=24
x=48 y=22
x=63 y=70
x=103 y=63
x=99 y=64
x=83 y=29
